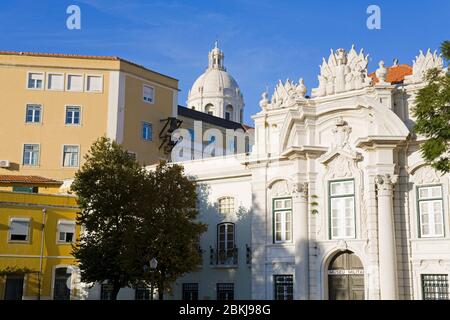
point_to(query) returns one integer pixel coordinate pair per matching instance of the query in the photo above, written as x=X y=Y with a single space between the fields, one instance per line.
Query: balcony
x=224 y=258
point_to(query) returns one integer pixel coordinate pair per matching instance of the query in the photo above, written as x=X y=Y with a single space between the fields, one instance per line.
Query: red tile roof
x=396 y=74
x=27 y=180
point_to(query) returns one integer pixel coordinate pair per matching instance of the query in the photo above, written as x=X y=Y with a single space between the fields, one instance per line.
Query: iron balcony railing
x=227 y=257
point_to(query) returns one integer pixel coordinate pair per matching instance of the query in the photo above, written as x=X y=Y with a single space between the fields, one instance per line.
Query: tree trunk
x=115 y=292
x=160 y=292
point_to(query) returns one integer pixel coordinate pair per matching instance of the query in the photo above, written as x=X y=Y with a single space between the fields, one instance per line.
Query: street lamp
x=153 y=265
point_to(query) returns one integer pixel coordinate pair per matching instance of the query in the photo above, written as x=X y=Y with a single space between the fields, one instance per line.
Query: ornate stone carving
x=342 y=72
x=280 y=188
x=341 y=133
x=381 y=73
x=425 y=175
x=285 y=95
x=264 y=101
x=341 y=159
x=386 y=181
x=422 y=64
x=342 y=245
x=300 y=189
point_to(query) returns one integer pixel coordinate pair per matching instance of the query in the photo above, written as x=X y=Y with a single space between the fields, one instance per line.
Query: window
x=209 y=109
x=35 y=81
x=71 y=156
x=66 y=231
x=73 y=115
x=435 y=287
x=282 y=213
x=142 y=293
x=284 y=288
x=55 y=81
x=25 y=189
x=148 y=94
x=19 y=229
x=147 y=131
x=74 y=82
x=94 y=83
x=61 y=289
x=33 y=114
x=190 y=291
x=226 y=205
x=31 y=155
x=106 y=291
x=225 y=236
x=431 y=213
x=229 y=113
x=342 y=209
x=225 y=291
x=241 y=116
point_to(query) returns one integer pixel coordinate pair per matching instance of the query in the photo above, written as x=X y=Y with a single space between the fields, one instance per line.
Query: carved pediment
x=280 y=188
x=425 y=175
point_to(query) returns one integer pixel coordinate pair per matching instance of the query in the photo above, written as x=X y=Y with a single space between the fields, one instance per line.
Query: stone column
x=386 y=237
x=300 y=218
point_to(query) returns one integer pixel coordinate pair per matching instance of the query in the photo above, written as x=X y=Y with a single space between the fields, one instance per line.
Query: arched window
x=209 y=109
x=193 y=108
x=225 y=236
x=226 y=205
x=229 y=112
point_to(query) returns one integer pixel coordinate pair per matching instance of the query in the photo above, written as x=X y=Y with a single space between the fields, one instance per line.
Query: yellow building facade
x=55 y=106
x=37 y=231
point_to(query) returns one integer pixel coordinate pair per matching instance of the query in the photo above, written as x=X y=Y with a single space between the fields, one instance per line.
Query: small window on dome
x=209 y=109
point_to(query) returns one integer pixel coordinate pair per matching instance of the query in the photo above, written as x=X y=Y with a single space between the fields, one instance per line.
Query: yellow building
x=37 y=231
x=55 y=106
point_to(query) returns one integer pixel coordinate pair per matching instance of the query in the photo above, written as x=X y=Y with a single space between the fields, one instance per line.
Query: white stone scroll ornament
x=343 y=72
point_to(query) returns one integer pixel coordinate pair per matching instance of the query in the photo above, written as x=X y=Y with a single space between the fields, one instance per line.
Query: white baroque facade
x=216 y=92
x=335 y=202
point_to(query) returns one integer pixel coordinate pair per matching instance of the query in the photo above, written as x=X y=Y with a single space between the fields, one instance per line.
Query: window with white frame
x=71 y=156
x=19 y=229
x=75 y=82
x=147 y=131
x=282 y=220
x=342 y=209
x=431 y=211
x=66 y=231
x=226 y=205
x=31 y=155
x=435 y=287
x=33 y=113
x=35 y=80
x=94 y=83
x=55 y=81
x=73 y=115
x=148 y=94
x=225 y=234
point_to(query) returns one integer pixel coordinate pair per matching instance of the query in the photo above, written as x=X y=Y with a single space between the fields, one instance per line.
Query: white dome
x=216 y=92
x=215 y=82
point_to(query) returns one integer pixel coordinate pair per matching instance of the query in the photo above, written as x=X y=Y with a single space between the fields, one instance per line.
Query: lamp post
x=153 y=266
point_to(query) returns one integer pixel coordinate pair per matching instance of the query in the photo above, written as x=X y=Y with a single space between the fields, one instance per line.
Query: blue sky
x=263 y=40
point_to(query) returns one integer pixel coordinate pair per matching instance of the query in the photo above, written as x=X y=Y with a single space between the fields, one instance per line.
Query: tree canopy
x=432 y=112
x=130 y=216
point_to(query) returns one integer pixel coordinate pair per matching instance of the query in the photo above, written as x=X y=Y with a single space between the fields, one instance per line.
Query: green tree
x=168 y=229
x=432 y=112
x=108 y=187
